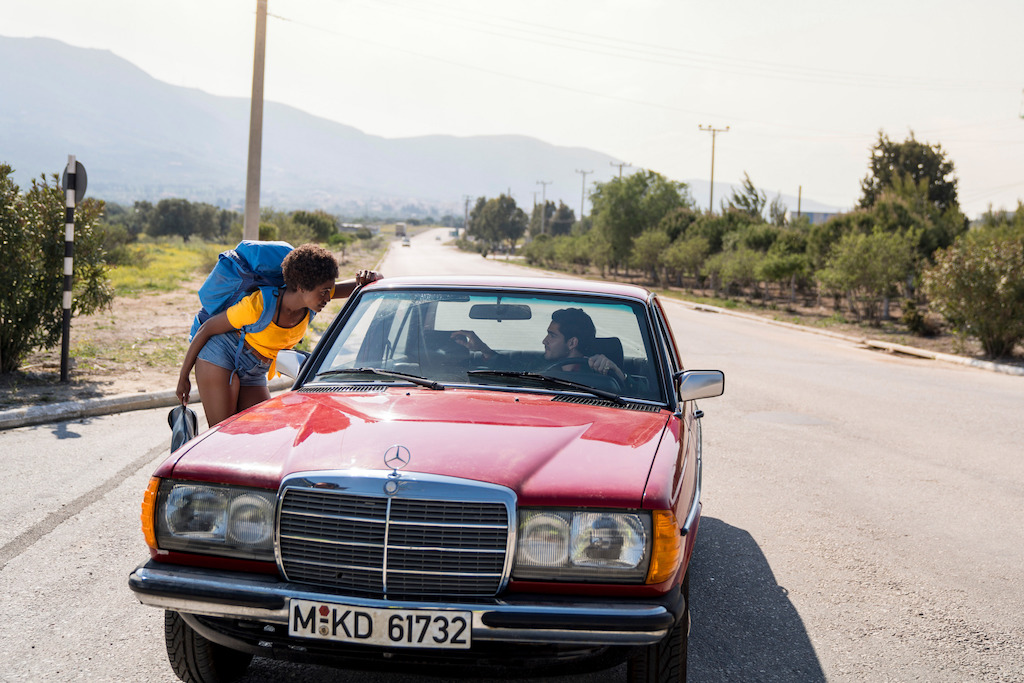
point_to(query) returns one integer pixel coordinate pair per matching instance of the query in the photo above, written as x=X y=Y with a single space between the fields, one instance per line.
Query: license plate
x=423 y=628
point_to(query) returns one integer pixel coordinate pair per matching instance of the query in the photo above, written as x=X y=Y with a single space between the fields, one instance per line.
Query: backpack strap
x=271 y=303
x=271 y=300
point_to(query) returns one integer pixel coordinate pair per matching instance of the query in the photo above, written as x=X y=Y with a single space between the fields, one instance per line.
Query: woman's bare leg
x=250 y=396
x=219 y=397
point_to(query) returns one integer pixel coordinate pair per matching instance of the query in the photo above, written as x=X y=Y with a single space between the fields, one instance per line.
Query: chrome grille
x=402 y=546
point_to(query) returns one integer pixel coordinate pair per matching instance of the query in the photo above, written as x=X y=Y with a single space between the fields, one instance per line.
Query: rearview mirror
x=695 y=384
x=500 y=312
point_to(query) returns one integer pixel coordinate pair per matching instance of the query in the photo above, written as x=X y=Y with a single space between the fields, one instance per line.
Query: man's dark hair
x=573 y=322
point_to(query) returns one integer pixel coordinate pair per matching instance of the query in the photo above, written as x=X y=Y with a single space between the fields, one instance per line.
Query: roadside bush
x=919 y=322
x=868 y=268
x=978 y=285
x=32 y=277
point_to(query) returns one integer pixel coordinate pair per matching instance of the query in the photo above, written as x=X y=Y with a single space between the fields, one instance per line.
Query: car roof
x=524 y=284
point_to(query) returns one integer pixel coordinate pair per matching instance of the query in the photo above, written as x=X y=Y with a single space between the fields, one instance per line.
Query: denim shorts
x=220 y=350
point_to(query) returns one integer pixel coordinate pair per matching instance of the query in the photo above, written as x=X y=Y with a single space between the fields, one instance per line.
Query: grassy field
x=162 y=266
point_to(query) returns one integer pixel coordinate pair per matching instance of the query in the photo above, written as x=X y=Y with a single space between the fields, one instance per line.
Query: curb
x=889 y=347
x=73 y=410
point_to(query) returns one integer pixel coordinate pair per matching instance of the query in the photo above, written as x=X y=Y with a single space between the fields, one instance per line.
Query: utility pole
x=465 y=219
x=251 y=226
x=714 y=132
x=544 y=205
x=583 y=190
x=620 y=164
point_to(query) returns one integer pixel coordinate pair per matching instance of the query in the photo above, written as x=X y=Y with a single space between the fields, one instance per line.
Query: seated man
x=570 y=335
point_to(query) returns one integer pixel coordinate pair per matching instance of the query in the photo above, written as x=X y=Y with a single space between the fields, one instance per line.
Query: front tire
x=198 y=660
x=664 y=661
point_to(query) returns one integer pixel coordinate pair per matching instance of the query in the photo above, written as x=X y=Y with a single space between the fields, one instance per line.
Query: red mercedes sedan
x=469 y=475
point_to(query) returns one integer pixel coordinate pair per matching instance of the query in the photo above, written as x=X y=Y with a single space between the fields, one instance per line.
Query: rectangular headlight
x=583 y=546
x=232 y=521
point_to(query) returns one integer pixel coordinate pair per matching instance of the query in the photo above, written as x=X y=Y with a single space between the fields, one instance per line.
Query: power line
x=350 y=37
x=618 y=48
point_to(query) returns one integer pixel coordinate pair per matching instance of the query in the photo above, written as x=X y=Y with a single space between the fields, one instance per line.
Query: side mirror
x=289 y=362
x=695 y=384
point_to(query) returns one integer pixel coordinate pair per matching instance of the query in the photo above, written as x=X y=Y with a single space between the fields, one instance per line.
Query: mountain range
x=142 y=139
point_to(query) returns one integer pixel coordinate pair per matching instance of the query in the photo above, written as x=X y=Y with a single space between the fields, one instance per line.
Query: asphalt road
x=863 y=520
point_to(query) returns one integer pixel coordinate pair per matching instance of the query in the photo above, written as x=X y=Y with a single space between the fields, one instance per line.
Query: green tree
x=172 y=218
x=822 y=237
x=1004 y=224
x=205 y=225
x=735 y=268
x=648 y=252
x=749 y=200
x=920 y=161
x=540 y=218
x=867 y=268
x=32 y=226
x=978 y=286
x=906 y=205
x=280 y=225
x=562 y=220
x=715 y=227
x=498 y=221
x=624 y=207
x=572 y=251
x=321 y=223
x=475 y=216
x=777 y=212
x=687 y=257
x=677 y=222
x=786 y=261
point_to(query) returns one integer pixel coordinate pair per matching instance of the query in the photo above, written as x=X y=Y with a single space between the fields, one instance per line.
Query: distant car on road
x=406 y=242
x=468 y=472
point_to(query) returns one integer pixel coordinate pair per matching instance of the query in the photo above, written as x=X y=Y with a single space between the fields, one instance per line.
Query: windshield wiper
x=557 y=381
x=415 y=379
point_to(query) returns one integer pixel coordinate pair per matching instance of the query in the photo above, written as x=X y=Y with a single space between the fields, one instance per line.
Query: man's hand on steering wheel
x=604 y=365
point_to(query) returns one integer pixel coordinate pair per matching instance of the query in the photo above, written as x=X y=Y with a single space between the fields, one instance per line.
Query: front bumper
x=541 y=619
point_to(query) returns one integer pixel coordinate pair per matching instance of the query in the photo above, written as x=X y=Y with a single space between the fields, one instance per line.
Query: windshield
x=492 y=339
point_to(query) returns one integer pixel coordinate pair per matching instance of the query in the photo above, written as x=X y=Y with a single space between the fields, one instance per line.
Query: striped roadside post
x=74 y=182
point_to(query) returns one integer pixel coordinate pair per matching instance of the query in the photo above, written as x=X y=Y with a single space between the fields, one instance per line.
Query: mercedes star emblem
x=396 y=458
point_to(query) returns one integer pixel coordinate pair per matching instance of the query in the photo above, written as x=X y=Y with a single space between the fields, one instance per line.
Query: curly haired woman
x=309 y=272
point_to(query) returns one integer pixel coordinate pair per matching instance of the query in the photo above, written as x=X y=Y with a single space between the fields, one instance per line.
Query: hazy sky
x=804 y=85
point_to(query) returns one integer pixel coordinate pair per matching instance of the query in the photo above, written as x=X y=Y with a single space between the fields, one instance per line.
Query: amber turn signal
x=149 y=512
x=666 y=550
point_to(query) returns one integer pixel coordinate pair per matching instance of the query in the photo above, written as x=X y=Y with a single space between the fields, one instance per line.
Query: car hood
x=546 y=451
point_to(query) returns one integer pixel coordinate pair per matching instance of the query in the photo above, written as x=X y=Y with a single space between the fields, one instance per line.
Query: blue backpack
x=239 y=272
